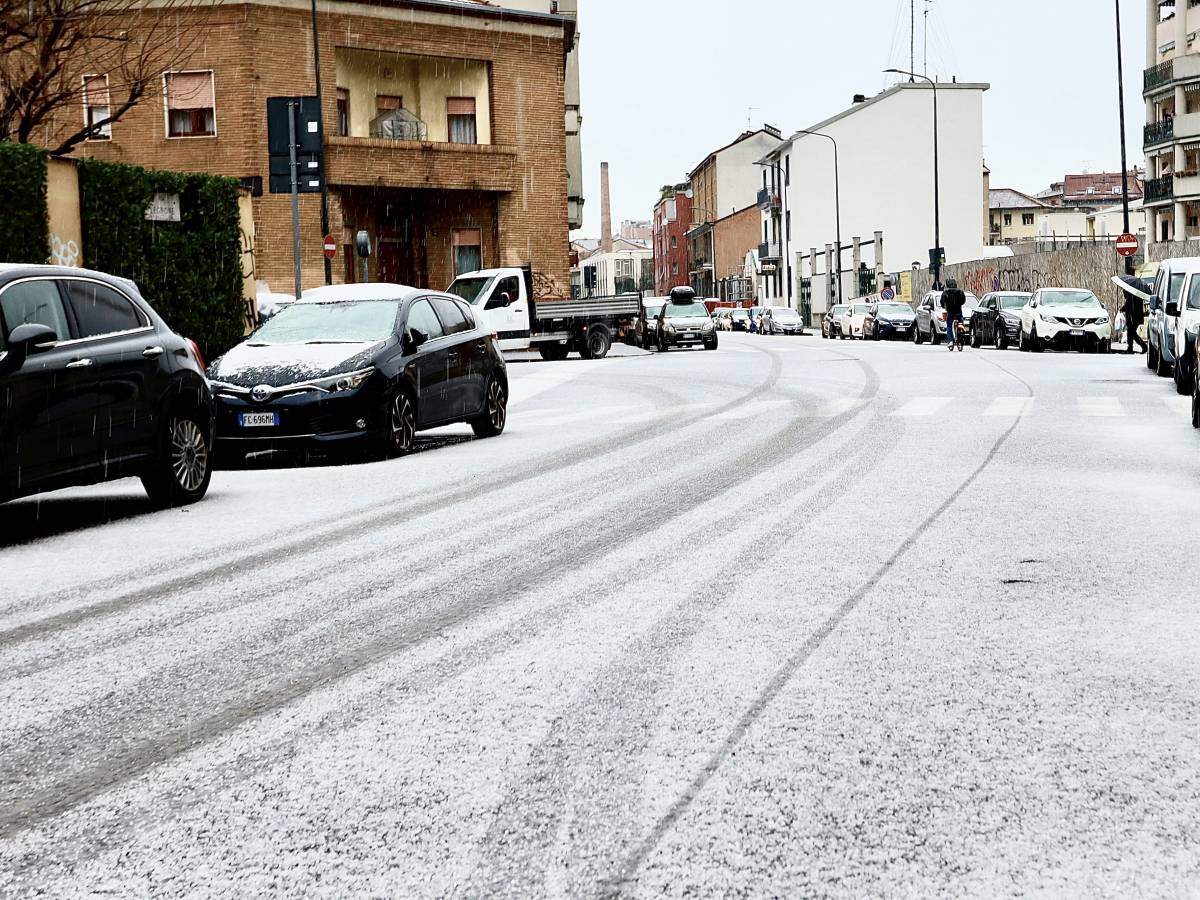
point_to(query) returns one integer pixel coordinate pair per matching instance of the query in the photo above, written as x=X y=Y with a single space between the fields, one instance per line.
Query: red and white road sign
x=1127 y=245
x=330 y=247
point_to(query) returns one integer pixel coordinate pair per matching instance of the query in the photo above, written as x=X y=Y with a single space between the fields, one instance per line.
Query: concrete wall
x=63 y=219
x=738 y=179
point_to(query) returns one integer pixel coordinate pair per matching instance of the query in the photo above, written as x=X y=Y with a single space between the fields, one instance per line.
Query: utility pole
x=295 y=180
x=1121 y=117
x=925 y=62
x=321 y=134
x=912 y=36
x=935 y=261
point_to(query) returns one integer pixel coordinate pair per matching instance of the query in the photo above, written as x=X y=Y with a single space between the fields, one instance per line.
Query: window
x=674 y=242
x=191 y=109
x=422 y=318
x=452 y=317
x=32 y=303
x=388 y=103
x=468 y=250
x=1007 y=219
x=624 y=268
x=460 y=114
x=511 y=286
x=343 y=112
x=100 y=310
x=1027 y=218
x=674 y=268
x=96 y=106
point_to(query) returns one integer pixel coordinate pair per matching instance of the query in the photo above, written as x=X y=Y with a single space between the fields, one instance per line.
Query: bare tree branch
x=48 y=47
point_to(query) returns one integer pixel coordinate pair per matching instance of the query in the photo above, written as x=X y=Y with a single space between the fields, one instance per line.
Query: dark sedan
x=97 y=387
x=996 y=322
x=364 y=365
x=888 y=320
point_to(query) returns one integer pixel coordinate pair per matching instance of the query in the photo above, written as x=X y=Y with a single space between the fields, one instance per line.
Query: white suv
x=1065 y=318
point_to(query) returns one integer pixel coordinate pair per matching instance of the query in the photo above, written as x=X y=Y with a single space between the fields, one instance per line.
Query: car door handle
x=153 y=352
x=79 y=363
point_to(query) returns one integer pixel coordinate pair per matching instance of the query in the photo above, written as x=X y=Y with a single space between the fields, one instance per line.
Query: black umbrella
x=1133 y=286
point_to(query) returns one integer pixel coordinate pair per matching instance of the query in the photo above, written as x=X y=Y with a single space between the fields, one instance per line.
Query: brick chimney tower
x=606 y=242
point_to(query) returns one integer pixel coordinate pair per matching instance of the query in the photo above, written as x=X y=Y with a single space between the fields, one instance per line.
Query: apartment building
x=887 y=186
x=670 y=225
x=1172 y=134
x=723 y=185
x=444 y=132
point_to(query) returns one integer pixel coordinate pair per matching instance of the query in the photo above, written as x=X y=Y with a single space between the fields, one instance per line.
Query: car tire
x=396 y=430
x=1161 y=367
x=1196 y=403
x=495 y=412
x=596 y=343
x=182 y=470
x=976 y=339
x=1103 y=347
x=933 y=335
x=918 y=338
x=1151 y=358
x=1183 y=385
x=1000 y=339
x=1035 y=345
x=554 y=352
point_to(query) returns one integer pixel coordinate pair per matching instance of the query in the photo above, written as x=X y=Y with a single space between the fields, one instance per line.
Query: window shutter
x=460 y=106
x=190 y=90
x=95 y=90
x=384 y=102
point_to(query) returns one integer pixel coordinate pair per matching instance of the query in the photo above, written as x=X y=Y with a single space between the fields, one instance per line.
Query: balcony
x=389 y=163
x=1159 y=75
x=769 y=200
x=1159 y=190
x=1159 y=133
x=769 y=252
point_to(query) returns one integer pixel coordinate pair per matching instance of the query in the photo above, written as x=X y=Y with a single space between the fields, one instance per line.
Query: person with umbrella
x=1136 y=293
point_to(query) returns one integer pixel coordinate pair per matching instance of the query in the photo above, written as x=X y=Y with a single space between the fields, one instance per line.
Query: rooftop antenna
x=750 y=111
x=912 y=39
x=925 y=62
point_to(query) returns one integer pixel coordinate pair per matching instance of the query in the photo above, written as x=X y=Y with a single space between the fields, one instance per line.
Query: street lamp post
x=1121 y=110
x=936 y=262
x=837 y=205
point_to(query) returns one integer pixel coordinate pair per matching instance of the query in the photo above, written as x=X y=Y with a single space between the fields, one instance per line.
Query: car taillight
x=196 y=354
x=942 y=315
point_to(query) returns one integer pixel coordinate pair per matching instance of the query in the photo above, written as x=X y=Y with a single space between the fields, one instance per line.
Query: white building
x=629 y=266
x=884 y=148
x=1110 y=222
x=1172 y=134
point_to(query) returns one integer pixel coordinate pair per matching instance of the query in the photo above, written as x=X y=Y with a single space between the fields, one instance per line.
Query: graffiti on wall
x=248 y=262
x=63 y=253
x=545 y=287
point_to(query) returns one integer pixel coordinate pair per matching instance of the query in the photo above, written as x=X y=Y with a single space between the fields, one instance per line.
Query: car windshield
x=860 y=309
x=839 y=310
x=893 y=309
x=469 y=288
x=785 y=314
x=1013 y=301
x=1069 y=298
x=652 y=311
x=740 y=314
x=363 y=322
x=684 y=310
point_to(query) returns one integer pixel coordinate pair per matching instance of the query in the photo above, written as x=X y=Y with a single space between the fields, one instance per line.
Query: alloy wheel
x=497 y=407
x=189 y=454
x=403 y=423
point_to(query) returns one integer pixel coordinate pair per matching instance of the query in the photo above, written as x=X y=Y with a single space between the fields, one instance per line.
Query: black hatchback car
x=95 y=386
x=359 y=365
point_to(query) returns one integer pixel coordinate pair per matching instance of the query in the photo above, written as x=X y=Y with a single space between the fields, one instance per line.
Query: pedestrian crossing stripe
x=1181 y=406
x=1100 y=407
x=922 y=406
x=1009 y=407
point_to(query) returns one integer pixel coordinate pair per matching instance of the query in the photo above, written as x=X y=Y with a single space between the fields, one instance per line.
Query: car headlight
x=1046 y=317
x=670 y=329
x=707 y=327
x=350 y=381
x=1103 y=320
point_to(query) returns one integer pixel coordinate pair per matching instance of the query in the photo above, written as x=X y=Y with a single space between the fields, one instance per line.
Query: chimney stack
x=606 y=242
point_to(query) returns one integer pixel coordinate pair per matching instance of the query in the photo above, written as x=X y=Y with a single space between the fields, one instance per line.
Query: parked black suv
x=95 y=386
x=365 y=365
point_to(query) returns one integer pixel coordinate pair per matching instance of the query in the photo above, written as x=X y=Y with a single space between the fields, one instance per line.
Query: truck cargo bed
x=622 y=305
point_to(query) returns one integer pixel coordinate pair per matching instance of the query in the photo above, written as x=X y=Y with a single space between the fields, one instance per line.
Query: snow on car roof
x=1184 y=264
x=345 y=293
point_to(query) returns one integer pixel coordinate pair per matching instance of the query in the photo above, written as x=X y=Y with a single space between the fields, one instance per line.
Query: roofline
x=744 y=137
x=481 y=11
x=1033 y=200
x=882 y=95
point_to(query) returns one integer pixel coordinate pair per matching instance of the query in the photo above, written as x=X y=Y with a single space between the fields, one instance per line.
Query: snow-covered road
x=795 y=618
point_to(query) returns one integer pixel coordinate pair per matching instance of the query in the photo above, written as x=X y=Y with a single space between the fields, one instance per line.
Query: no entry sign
x=1127 y=245
x=330 y=247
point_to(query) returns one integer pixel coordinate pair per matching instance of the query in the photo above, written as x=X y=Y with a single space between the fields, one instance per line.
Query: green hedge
x=24 y=228
x=190 y=270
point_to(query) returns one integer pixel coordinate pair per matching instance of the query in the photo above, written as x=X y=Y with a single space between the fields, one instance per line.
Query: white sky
x=667 y=81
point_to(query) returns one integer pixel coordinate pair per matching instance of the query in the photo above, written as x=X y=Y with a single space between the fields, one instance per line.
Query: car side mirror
x=1172 y=308
x=416 y=337
x=23 y=342
x=500 y=301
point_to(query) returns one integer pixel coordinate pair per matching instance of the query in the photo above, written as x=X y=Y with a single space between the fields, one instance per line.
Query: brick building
x=672 y=219
x=444 y=128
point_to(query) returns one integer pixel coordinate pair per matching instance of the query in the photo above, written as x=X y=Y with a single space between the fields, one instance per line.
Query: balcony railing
x=769 y=251
x=1159 y=132
x=1159 y=75
x=1160 y=188
x=769 y=200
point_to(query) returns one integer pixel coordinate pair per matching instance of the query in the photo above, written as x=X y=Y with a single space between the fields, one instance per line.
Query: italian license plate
x=1077 y=332
x=258 y=420
x=689 y=336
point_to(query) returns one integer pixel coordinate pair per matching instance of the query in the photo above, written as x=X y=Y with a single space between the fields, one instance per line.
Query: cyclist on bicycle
x=953 y=300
